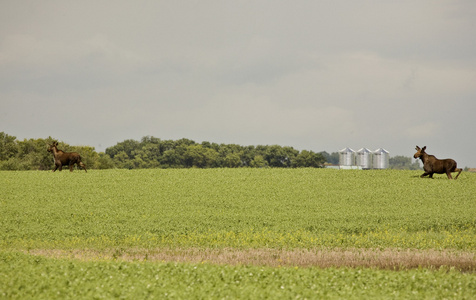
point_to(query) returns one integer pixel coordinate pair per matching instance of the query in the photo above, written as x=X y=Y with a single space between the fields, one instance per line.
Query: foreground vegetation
x=203 y=231
x=26 y=277
x=274 y=208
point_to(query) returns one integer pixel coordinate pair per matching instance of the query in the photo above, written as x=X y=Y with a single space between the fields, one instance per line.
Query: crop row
x=27 y=277
x=237 y=208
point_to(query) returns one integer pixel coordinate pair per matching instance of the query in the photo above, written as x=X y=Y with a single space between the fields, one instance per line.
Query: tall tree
x=309 y=159
x=8 y=146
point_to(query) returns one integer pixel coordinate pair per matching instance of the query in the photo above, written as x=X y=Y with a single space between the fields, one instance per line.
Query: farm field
x=199 y=233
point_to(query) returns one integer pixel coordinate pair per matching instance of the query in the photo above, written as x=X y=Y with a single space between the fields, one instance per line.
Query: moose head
x=419 y=152
x=52 y=146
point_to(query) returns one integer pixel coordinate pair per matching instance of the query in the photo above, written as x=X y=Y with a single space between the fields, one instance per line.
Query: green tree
x=8 y=146
x=121 y=159
x=309 y=159
x=403 y=163
x=171 y=159
x=200 y=157
x=332 y=158
x=248 y=155
x=259 y=162
x=104 y=161
x=10 y=164
x=230 y=156
x=151 y=153
x=280 y=157
x=232 y=160
x=128 y=147
x=33 y=154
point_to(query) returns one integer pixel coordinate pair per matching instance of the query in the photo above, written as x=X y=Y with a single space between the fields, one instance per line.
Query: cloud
x=427 y=130
x=310 y=74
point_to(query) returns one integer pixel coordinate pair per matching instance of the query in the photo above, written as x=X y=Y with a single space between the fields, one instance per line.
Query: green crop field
x=228 y=233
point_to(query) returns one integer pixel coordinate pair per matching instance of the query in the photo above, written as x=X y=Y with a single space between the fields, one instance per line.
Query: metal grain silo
x=381 y=159
x=363 y=158
x=347 y=157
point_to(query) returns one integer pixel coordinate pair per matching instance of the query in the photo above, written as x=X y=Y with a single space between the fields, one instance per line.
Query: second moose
x=62 y=158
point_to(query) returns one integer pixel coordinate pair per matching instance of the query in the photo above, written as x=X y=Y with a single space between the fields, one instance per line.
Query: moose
x=62 y=158
x=432 y=165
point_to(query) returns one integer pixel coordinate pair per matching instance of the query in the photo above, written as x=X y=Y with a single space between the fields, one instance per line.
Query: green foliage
x=241 y=208
x=152 y=152
x=200 y=157
x=332 y=158
x=32 y=277
x=259 y=162
x=24 y=155
x=230 y=208
x=32 y=154
x=308 y=159
x=104 y=161
x=403 y=163
x=8 y=148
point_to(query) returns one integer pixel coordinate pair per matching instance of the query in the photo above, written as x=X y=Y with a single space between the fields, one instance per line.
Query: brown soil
x=392 y=259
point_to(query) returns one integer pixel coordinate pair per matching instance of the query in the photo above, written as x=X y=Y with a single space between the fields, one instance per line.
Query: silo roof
x=381 y=150
x=364 y=150
x=346 y=150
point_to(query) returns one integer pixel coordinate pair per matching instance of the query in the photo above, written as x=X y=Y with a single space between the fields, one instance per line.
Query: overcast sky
x=314 y=75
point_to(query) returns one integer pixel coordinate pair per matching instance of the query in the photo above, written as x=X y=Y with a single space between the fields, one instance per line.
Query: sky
x=313 y=75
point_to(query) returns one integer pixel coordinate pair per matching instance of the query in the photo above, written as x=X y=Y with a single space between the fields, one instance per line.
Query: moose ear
x=417 y=148
x=424 y=148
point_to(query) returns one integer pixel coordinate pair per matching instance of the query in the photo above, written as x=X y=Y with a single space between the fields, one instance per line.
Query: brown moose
x=432 y=165
x=62 y=158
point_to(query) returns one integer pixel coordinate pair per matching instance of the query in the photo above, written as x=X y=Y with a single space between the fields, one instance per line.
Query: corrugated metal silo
x=363 y=158
x=347 y=157
x=381 y=159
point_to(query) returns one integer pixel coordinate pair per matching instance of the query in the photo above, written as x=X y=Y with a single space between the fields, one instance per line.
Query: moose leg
x=82 y=166
x=449 y=175
x=459 y=172
x=60 y=166
x=71 y=167
x=424 y=174
x=56 y=167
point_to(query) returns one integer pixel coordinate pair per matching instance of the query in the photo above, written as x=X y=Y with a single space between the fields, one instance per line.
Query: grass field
x=200 y=233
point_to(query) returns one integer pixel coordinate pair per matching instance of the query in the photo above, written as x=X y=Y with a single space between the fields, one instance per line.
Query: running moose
x=62 y=158
x=432 y=165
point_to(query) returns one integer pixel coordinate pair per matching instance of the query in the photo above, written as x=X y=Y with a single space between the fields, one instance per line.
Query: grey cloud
x=309 y=74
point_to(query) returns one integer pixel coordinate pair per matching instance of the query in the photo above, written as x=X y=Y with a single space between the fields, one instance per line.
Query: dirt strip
x=393 y=259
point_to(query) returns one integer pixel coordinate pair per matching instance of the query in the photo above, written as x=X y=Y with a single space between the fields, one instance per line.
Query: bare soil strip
x=393 y=259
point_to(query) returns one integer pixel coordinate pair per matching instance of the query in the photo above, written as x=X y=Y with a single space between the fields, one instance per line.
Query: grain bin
x=380 y=159
x=347 y=157
x=363 y=158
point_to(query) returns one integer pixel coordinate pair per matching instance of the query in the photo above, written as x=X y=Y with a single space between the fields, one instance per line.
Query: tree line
x=152 y=152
